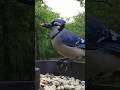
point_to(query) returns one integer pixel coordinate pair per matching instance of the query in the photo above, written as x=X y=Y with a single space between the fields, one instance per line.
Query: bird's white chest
x=66 y=51
x=56 y=43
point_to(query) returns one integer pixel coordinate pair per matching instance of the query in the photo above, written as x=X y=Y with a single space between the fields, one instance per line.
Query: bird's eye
x=56 y=24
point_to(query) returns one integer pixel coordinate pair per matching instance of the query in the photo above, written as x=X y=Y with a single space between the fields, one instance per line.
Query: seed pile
x=51 y=82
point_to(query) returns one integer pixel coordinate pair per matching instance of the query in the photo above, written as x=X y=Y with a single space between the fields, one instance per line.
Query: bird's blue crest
x=61 y=21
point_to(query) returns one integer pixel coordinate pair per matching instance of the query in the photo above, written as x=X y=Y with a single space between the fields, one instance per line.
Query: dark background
x=17 y=40
x=105 y=10
x=103 y=65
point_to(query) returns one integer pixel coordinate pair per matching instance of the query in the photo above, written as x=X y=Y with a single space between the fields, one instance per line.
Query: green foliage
x=43 y=47
x=78 y=26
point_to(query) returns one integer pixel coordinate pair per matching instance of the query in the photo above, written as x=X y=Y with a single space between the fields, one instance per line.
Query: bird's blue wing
x=72 y=40
x=95 y=30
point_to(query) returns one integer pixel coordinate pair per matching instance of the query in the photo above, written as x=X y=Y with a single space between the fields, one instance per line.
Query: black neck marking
x=56 y=34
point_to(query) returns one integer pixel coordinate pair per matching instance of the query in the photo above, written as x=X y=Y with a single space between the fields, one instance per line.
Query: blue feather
x=72 y=40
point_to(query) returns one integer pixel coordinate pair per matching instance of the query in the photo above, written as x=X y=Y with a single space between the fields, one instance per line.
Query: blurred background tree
x=108 y=11
x=43 y=44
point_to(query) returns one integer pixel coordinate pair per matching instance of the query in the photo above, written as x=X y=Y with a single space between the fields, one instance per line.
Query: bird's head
x=57 y=24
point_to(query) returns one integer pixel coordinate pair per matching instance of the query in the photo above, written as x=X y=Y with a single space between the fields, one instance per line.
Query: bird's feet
x=62 y=64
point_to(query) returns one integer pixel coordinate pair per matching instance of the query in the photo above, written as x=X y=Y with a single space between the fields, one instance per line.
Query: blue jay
x=67 y=44
x=102 y=48
x=98 y=35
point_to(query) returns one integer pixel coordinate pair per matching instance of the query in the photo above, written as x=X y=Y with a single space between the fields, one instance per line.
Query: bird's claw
x=60 y=63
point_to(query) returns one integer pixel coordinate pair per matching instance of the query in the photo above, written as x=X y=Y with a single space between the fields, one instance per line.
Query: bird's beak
x=46 y=25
